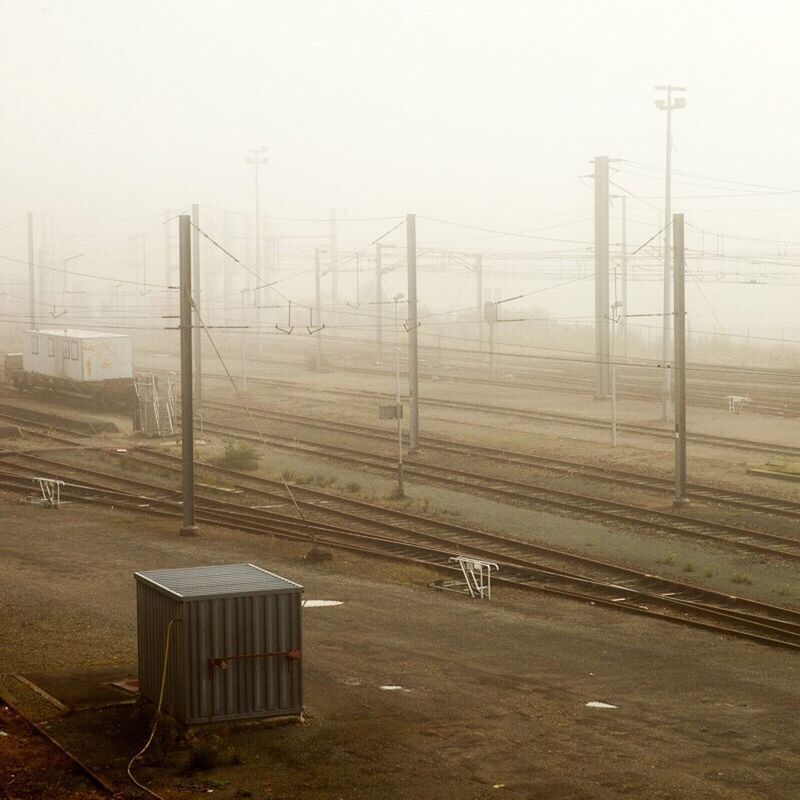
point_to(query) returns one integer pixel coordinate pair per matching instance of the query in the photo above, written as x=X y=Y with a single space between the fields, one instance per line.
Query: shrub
x=238 y=455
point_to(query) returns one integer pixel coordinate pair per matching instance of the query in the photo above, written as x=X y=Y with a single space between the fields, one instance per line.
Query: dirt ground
x=493 y=695
x=31 y=767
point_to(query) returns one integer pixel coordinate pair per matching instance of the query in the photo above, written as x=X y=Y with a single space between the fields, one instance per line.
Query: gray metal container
x=234 y=647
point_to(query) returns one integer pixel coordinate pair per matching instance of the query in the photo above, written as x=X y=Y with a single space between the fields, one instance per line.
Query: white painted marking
x=599 y=704
x=394 y=688
x=321 y=603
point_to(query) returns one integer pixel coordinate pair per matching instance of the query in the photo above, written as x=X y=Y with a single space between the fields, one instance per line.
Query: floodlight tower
x=258 y=157
x=672 y=102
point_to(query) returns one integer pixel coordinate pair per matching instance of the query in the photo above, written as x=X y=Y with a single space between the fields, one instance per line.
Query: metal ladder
x=156 y=412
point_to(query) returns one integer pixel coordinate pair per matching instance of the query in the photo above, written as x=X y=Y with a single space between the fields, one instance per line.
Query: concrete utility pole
x=225 y=266
x=379 y=302
x=398 y=404
x=167 y=248
x=140 y=301
x=244 y=343
x=490 y=316
x=31 y=276
x=615 y=311
x=45 y=278
x=334 y=235
x=197 y=328
x=624 y=282
x=669 y=105
x=413 y=363
x=601 y=299
x=318 y=308
x=479 y=298
x=680 y=362
x=187 y=407
x=258 y=157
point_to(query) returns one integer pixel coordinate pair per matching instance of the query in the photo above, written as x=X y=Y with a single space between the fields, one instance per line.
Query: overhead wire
x=88 y=275
x=246 y=407
x=683 y=173
x=501 y=233
x=326 y=220
x=13 y=222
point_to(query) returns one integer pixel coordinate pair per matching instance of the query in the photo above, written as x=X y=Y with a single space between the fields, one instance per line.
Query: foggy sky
x=469 y=110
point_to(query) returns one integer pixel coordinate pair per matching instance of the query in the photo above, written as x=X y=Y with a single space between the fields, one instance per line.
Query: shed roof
x=216 y=581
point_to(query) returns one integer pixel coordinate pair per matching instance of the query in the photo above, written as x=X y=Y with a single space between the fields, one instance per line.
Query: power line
x=247 y=409
x=13 y=222
x=502 y=233
x=326 y=220
x=62 y=271
x=708 y=177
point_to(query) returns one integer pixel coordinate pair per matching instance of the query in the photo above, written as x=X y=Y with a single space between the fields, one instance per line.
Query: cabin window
x=73 y=350
x=51 y=346
x=35 y=345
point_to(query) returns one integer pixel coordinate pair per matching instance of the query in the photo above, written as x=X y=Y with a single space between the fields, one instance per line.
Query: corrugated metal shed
x=235 y=644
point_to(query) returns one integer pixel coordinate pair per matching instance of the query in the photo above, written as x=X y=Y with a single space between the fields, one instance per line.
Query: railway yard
x=629 y=648
x=399 y=401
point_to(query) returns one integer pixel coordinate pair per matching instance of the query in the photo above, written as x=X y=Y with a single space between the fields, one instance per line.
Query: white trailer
x=89 y=362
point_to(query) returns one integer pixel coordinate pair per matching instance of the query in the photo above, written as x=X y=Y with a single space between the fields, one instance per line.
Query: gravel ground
x=494 y=694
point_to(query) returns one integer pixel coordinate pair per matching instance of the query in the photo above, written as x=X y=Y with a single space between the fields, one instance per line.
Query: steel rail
x=533 y=495
x=716 y=494
x=553 y=417
x=409 y=548
x=765 y=630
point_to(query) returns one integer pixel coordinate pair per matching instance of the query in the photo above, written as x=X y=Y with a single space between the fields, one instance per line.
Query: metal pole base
x=680 y=502
x=190 y=530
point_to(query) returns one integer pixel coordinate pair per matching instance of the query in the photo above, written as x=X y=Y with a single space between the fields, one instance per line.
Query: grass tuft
x=238 y=455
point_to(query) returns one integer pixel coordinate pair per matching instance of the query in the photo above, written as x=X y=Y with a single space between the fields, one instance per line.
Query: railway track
x=784 y=405
x=39 y=427
x=772 y=395
x=556 y=418
x=531 y=495
x=622 y=589
x=377 y=530
x=633 y=480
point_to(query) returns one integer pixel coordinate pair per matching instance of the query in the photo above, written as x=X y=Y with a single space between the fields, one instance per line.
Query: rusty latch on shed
x=223 y=662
